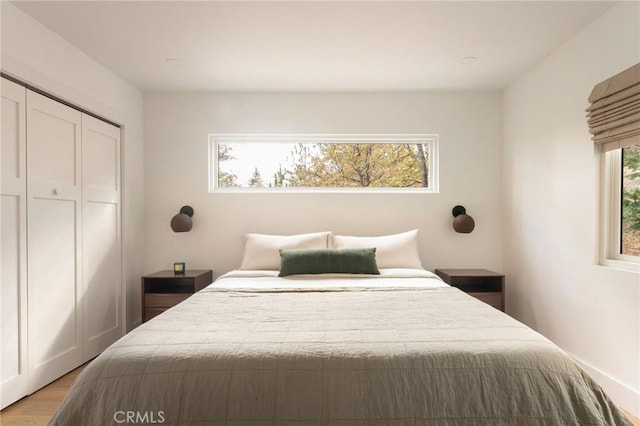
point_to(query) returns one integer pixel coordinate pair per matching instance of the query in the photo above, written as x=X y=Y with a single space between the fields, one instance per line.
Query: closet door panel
x=101 y=155
x=54 y=239
x=101 y=229
x=13 y=130
x=10 y=137
x=52 y=278
x=55 y=319
x=13 y=296
x=102 y=282
x=13 y=365
x=10 y=366
x=53 y=139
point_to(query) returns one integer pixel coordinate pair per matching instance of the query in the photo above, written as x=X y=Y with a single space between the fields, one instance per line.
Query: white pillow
x=392 y=251
x=261 y=251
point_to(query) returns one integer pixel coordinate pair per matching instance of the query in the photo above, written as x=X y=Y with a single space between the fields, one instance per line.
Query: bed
x=400 y=347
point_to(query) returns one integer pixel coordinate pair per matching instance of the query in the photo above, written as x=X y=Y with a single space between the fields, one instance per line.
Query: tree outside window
x=630 y=223
x=402 y=163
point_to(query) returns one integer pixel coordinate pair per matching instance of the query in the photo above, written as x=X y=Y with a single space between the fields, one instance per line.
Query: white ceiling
x=316 y=45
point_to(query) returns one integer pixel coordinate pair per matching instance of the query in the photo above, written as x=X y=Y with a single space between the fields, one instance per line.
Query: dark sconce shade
x=462 y=222
x=182 y=221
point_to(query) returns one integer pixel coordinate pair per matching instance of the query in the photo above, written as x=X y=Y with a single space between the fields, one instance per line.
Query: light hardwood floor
x=37 y=409
x=635 y=421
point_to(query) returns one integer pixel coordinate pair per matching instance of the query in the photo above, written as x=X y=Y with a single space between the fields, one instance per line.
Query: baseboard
x=621 y=394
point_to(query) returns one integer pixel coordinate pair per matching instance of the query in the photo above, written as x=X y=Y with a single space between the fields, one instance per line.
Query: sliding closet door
x=54 y=240
x=13 y=300
x=101 y=235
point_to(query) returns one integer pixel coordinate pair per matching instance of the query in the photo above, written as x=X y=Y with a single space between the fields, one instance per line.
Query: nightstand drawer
x=164 y=289
x=493 y=299
x=484 y=285
x=160 y=300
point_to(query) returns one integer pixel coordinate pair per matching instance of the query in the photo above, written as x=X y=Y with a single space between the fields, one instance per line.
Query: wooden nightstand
x=164 y=289
x=482 y=284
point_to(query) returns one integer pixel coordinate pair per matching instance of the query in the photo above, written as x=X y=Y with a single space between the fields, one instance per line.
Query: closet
x=61 y=299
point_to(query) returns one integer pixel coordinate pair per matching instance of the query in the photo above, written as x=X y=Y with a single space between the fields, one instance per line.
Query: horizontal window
x=323 y=163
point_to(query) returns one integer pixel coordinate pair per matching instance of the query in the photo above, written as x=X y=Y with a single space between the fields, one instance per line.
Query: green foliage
x=224 y=153
x=256 y=179
x=632 y=163
x=279 y=178
x=351 y=165
x=631 y=210
x=340 y=165
x=631 y=189
x=225 y=179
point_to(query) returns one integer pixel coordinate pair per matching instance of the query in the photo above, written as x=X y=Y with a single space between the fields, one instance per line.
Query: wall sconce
x=182 y=221
x=462 y=222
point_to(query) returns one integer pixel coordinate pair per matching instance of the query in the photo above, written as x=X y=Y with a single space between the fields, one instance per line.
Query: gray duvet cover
x=403 y=357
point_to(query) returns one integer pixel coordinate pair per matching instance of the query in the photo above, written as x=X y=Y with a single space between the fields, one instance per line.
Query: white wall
x=35 y=54
x=176 y=168
x=551 y=175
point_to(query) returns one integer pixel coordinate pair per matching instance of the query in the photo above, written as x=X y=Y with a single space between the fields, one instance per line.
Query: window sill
x=624 y=265
x=322 y=190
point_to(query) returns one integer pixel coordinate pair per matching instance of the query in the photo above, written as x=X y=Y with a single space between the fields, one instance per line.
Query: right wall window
x=621 y=208
x=613 y=118
x=630 y=201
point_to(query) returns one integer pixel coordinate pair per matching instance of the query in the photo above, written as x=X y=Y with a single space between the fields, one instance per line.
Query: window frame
x=611 y=214
x=429 y=139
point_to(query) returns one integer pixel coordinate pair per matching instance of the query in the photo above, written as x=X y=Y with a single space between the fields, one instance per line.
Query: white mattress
x=389 y=279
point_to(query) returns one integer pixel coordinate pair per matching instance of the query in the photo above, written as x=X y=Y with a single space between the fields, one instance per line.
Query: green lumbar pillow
x=327 y=261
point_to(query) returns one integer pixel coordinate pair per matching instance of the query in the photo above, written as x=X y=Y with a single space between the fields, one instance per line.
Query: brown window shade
x=614 y=114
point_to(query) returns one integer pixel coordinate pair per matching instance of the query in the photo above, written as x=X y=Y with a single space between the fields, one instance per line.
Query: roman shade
x=614 y=114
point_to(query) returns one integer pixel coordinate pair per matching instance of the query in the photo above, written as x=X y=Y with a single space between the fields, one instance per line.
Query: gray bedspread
x=403 y=357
